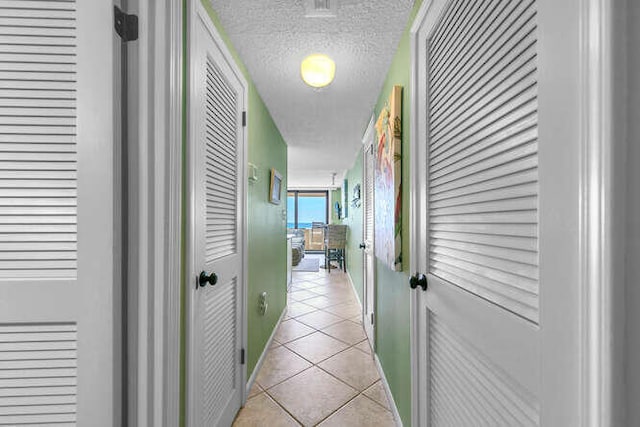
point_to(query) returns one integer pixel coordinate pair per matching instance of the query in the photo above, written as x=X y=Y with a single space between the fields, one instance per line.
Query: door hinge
x=242 y=356
x=126 y=25
x=372 y=318
x=244 y=118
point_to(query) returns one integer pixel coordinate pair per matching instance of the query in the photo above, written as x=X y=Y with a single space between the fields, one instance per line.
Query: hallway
x=319 y=369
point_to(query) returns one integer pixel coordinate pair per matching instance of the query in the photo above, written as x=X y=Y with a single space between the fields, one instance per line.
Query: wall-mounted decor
x=345 y=198
x=388 y=180
x=355 y=202
x=337 y=210
x=275 y=190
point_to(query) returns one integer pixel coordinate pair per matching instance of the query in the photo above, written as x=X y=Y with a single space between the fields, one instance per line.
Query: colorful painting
x=388 y=182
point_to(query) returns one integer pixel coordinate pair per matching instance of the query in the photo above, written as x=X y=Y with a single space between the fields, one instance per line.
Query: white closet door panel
x=483 y=183
x=56 y=213
x=217 y=143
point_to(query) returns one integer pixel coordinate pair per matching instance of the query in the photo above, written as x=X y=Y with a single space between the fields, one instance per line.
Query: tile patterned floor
x=319 y=370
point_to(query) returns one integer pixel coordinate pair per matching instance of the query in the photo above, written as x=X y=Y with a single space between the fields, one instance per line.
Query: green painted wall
x=392 y=297
x=354 y=234
x=267 y=249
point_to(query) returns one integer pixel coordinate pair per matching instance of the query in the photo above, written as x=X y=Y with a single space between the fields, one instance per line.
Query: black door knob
x=362 y=246
x=211 y=279
x=418 y=280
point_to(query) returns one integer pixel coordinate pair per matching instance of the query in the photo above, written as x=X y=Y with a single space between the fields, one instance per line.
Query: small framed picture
x=275 y=193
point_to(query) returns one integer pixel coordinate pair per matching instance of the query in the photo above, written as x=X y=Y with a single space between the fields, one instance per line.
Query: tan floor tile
x=319 y=319
x=255 y=390
x=325 y=279
x=320 y=302
x=353 y=367
x=303 y=284
x=280 y=364
x=262 y=411
x=320 y=289
x=317 y=347
x=346 y=311
x=312 y=395
x=295 y=309
x=302 y=295
x=364 y=346
x=356 y=319
x=377 y=393
x=274 y=344
x=346 y=331
x=343 y=297
x=303 y=276
x=360 y=412
x=291 y=329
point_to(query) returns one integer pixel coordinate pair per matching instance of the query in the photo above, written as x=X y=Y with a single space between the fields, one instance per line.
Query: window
x=303 y=209
x=307 y=207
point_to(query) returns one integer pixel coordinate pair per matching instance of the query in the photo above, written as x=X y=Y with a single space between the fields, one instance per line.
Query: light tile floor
x=319 y=371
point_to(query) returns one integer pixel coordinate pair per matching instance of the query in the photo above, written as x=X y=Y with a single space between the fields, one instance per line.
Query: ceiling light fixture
x=318 y=70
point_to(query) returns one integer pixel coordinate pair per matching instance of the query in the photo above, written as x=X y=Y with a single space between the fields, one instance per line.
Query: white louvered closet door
x=57 y=270
x=369 y=253
x=217 y=142
x=487 y=77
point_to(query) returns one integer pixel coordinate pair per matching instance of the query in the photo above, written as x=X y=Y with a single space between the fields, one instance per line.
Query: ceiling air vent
x=321 y=8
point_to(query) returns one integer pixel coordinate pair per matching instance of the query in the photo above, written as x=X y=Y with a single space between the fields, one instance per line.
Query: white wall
x=633 y=217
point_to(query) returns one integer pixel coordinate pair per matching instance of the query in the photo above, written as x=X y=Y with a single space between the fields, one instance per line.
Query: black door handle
x=362 y=246
x=211 y=279
x=418 y=279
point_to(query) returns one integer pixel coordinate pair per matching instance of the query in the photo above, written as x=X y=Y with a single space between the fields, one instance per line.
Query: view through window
x=303 y=209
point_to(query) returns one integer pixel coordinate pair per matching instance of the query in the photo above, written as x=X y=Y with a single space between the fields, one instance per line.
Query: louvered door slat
x=500 y=29
x=483 y=182
x=38 y=367
x=467 y=389
x=221 y=165
x=37 y=144
x=487 y=75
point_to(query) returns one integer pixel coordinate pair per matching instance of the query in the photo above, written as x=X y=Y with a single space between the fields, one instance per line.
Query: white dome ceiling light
x=318 y=70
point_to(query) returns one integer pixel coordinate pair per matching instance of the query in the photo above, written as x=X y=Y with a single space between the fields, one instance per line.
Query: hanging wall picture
x=388 y=182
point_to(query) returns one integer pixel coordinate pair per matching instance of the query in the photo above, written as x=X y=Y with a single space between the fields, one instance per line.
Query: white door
x=58 y=344
x=369 y=254
x=497 y=213
x=217 y=152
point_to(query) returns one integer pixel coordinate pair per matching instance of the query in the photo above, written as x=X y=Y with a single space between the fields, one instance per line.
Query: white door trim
x=154 y=337
x=368 y=141
x=601 y=249
x=197 y=13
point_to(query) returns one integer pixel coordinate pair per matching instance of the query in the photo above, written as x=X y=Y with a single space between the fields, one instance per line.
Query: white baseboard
x=267 y=346
x=353 y=288
x=387 y=391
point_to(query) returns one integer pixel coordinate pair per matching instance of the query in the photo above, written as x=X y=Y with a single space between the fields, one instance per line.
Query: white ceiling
x=323 y=128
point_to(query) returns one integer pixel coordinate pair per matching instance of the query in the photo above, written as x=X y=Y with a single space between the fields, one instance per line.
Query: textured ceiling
x=323 y=128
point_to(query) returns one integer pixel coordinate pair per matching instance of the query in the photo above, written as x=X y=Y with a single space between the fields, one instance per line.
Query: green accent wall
x=354 y=234
x=392 y=296
x=266 y=222
x=393 y=343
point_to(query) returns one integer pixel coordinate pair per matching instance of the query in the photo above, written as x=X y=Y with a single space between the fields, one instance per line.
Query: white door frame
x=368 y=140
x=155 y=75
x=601 y=302
x=197 y=12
